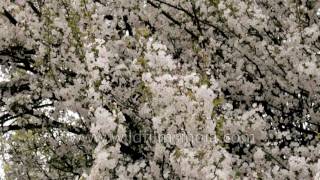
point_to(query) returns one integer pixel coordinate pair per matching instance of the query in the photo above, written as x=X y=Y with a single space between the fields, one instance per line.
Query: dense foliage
x=160 y=89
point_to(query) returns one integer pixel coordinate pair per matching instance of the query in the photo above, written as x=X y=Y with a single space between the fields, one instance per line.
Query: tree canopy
x=160 y=89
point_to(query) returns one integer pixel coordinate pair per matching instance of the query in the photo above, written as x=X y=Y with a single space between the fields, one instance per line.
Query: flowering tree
x=160 y=89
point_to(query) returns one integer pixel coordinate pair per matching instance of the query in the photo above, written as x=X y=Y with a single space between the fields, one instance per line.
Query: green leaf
x=219 y=128
x=217 y=102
